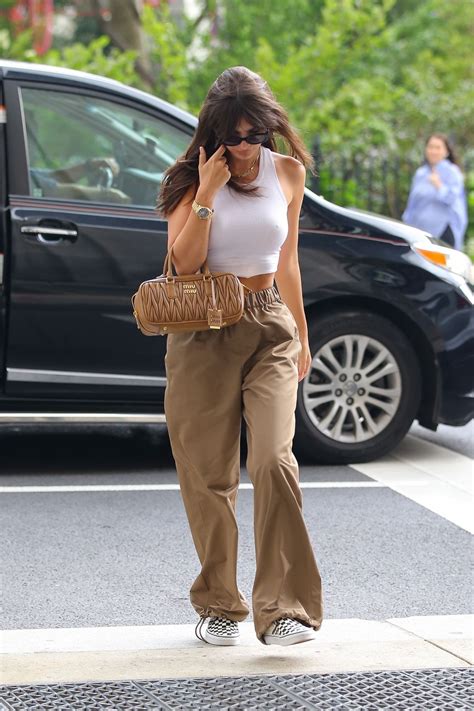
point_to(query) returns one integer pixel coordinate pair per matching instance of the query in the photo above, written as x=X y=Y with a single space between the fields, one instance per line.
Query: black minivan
x=389 y=308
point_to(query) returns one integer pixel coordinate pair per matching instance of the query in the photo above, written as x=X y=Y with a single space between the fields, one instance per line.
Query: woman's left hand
x=435 y=179
x=304 y=360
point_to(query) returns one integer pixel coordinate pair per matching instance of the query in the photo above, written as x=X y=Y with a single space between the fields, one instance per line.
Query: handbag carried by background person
x=187 y=302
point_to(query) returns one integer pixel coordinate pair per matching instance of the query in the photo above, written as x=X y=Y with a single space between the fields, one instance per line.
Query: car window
x=87 y=148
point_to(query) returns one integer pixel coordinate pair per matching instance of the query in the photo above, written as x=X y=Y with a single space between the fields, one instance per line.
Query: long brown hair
x=237 y=93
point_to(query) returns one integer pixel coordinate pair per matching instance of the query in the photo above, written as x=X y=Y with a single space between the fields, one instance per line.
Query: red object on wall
x=38 y=15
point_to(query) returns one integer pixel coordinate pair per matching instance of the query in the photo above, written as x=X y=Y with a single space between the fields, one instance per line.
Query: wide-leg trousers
x=215 y=377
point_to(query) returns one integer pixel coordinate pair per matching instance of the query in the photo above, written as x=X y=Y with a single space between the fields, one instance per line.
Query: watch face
x=203 y=212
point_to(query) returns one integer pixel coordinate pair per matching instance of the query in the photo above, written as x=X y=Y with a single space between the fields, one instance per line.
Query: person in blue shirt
x=437 y=200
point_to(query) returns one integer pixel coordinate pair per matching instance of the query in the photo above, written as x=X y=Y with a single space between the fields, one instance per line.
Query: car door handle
x=38 y=230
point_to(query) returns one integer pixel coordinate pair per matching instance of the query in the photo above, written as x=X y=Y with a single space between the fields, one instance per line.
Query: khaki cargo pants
x=213 y=378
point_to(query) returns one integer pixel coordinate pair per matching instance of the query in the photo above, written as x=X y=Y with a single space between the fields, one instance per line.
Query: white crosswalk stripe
x=434 y=477
x=175 y=487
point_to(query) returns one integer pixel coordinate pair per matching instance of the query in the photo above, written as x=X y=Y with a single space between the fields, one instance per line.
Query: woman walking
x=235 y=200
x=437 y=200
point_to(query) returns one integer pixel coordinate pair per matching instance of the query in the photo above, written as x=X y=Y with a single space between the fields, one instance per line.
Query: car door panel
x=78 y=256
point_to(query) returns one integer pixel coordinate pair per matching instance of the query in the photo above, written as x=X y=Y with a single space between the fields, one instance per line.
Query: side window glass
x=87 y=148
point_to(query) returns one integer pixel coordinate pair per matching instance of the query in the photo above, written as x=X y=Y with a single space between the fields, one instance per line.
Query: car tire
x=334 y=430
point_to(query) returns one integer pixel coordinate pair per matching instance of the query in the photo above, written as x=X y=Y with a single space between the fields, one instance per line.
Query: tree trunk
x=122 y=23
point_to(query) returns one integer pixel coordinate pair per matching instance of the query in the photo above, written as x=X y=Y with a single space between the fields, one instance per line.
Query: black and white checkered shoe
x=286 y=630
x=218 y=630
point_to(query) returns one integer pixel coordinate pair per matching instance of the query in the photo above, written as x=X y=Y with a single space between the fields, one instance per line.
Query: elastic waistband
x=263 y=296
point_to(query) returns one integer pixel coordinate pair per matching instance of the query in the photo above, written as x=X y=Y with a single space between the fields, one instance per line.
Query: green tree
x=366 y=78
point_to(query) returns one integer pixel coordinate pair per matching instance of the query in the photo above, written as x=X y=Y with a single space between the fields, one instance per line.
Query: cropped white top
x=247 y=231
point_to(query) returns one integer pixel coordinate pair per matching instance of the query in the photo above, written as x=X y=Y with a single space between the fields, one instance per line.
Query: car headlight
x=451 y=259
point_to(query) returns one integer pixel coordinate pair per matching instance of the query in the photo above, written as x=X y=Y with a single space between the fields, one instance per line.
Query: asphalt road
x=74 y=557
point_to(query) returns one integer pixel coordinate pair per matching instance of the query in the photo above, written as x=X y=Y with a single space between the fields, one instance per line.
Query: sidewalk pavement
x=351 y=664
x=45 y=656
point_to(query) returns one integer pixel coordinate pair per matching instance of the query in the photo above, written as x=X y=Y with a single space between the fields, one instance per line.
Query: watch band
x=202 y=211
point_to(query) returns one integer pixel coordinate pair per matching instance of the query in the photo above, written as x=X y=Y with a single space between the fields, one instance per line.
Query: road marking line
x=175 y=487
x=38 y=656
x=443 y=463
x=432 y=476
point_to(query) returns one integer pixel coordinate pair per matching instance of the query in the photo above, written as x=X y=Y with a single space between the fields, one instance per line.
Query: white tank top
x=247 y=231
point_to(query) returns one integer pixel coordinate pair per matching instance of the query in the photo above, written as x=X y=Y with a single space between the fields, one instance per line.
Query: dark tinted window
x=87 y=148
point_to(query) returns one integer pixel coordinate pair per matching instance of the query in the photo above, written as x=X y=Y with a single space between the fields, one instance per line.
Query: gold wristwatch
x=203 y=212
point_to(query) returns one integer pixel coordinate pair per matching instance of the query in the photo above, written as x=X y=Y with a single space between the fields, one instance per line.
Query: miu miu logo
x=189 y=287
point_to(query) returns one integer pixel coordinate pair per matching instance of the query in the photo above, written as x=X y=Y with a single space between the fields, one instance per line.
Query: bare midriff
x=257 y=282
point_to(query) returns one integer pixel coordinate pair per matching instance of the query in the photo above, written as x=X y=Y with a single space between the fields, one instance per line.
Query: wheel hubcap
x=353 y=388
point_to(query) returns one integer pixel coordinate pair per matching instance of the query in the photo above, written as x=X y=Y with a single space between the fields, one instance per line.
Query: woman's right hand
x=213 y=173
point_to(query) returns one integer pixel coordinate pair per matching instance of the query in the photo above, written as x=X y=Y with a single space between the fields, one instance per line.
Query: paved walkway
x=172 y=651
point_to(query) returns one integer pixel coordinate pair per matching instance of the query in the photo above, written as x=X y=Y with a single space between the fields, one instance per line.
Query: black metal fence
x=377 y=183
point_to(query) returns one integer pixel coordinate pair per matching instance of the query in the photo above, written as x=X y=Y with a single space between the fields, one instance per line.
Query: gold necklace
x=242 y=175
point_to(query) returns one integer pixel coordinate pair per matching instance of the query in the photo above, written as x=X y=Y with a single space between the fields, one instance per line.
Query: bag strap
x=168 y=265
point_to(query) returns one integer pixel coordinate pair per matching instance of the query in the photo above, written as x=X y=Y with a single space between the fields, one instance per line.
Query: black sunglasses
x=253 y=138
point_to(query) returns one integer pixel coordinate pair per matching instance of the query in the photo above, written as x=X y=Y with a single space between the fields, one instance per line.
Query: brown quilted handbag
x=187 y=302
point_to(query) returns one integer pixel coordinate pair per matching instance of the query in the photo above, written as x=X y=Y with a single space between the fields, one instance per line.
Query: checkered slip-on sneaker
x=218 y=630
x=286 y=630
